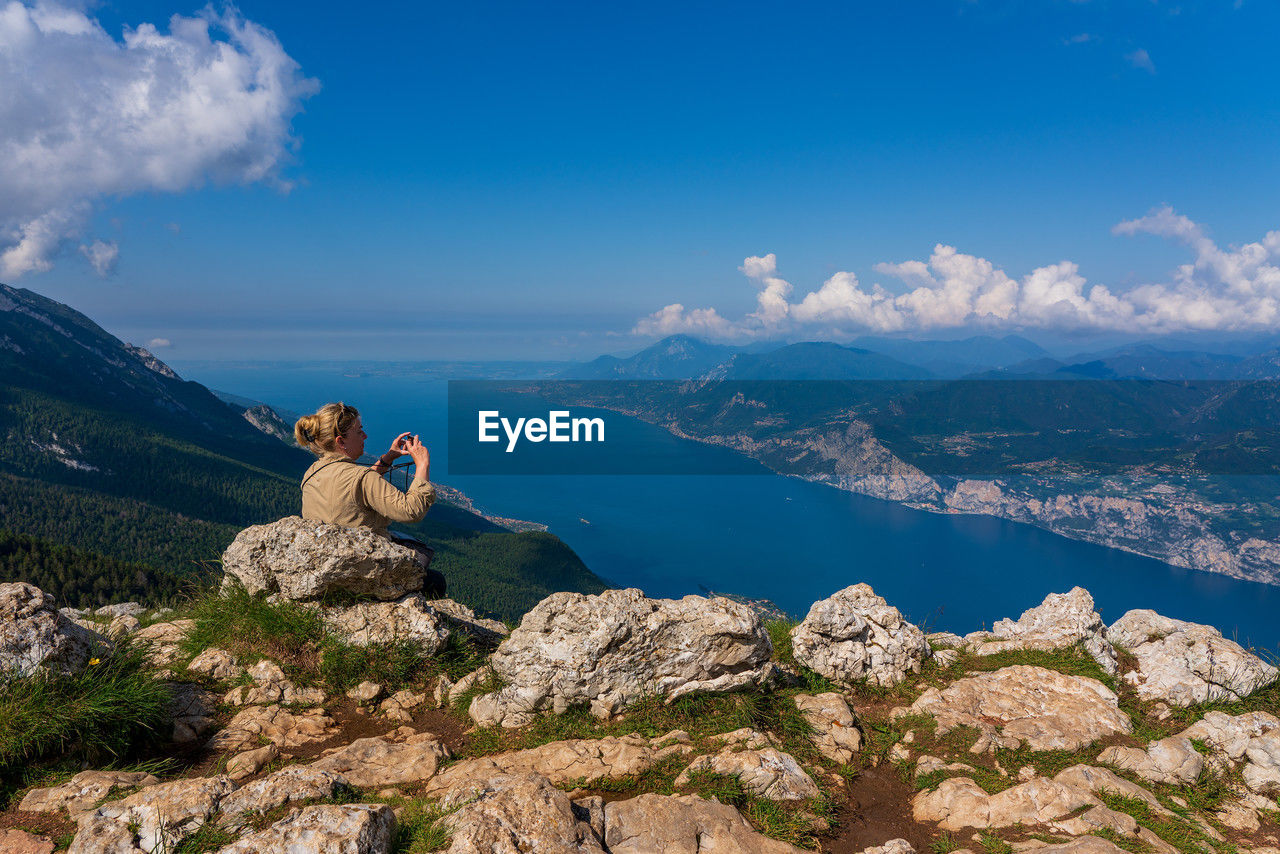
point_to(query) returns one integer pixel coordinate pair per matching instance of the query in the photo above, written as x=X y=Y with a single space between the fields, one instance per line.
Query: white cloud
x=1222 y=289
x=1141 y=59
x=1080 y=38
x=84 y=116
x=102 y=256
x=157 y=343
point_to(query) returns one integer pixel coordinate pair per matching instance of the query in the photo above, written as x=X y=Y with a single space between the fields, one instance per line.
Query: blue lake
x=779 y=538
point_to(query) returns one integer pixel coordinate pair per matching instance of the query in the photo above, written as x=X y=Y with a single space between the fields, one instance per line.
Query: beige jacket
x=343 y=492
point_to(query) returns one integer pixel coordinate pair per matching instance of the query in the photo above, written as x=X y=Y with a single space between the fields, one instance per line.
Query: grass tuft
x=107 y=713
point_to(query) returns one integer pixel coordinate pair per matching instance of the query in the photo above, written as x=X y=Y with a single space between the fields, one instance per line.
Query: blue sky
x=520 y=180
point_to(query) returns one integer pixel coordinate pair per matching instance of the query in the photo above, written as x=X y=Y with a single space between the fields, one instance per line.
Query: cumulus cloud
x=85 y=116
x=1232 y=289
x=102 y=256
x=1141 y=59
x=157 y=343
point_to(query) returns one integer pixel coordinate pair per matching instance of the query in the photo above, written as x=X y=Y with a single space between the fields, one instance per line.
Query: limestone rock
x=769 y=773
x=161 y=640
x=272 y=686
x=1091 y=779
x=1230 y=735
x=1142 y=625
x=216 y=664
x=1061 y=621
x=945 y=657
x=463 y=618
x=83 y=791
x=1184 y=663
x=120 y=609
x=440 y=693
x=295 y=783
x=152 y=820
x=365 y=692
x=123 y=626
x=834 y=732
x=893 y=846
x=1238 y=816
x=20 y=842
x=564 y=762
x=1170 y=760
x=1042 y=708
x=516 y=814
x=385 y=761
x=193 y=710
x=34 y=635
x=324 y=829
x=927 y=764
x=683 y=824
x=277 y=725
x=1083 y=845
x=613 y=649
x=1262 y=774
x=304 y=560
x=855 y=635
x=959 y=802
x=250 y=762
x=476 y=677
x=406 y=619
x=400 y=705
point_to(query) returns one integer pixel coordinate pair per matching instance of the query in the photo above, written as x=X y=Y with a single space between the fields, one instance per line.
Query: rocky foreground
x=618 y=723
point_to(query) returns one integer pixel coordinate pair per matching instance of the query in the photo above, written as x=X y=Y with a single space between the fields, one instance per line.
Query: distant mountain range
x=148 y=477
x=976 y=357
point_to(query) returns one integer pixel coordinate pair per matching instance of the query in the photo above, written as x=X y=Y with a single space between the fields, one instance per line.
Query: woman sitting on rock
x=341 y=491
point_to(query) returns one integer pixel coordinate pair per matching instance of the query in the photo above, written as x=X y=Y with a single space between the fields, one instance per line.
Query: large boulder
x=389 y=760
x=618 y=647
x=1043 y=709
x=514 y=814
x=155 y=819
x=855 y=635
x=1172 y=760
x=577 y=760
x=324 y=829
x=33 y=634
x=409 y=618
x=1062 y=620
x=1183 y=663
x=683 y=824
x=304 y=560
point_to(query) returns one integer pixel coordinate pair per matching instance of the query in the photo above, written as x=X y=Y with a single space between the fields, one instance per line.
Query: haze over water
x=780 y=538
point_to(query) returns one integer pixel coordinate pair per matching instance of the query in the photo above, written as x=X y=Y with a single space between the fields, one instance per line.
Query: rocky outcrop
x=1230 y=735
x=461 y=617
x=767 y=772
x=217 y=664
x=154 y=819
x=1170 y=760
x=1063 y=620
x=834 y=731
x=683 y=824
x=409 y=618
x=34 y=635
x=855 y=635
x=400 y=757
x=576 y=760
x=162 y=641
x=275 y=725
x=193 y=709
x=304 y=560
x=296 y=783
x=84 y=791
x=613 y=649
x=272 y=686
x=514 y=814
x=1182 y=663
x=324 y=829
x=1043 y=709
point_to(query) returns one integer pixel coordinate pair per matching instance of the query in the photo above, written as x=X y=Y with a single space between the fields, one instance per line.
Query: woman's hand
x=417 y=450
x=399 y=447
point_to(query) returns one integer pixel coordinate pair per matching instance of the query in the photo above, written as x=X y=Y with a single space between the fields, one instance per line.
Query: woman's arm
x=409 y=506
